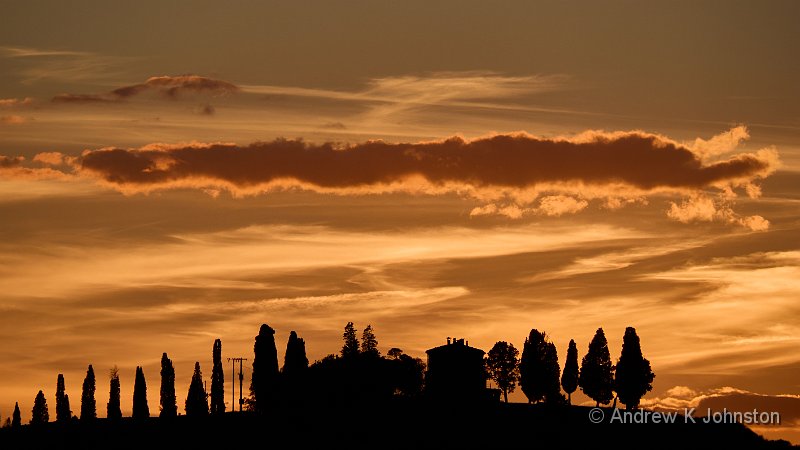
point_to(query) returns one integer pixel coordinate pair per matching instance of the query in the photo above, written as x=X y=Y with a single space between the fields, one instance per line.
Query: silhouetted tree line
x=537 y=371
x=359 y=373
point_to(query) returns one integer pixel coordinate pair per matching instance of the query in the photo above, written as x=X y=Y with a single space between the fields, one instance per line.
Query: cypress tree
x=88 y=405
x=569 y=379
x=169 y=402
x=217 y=381
x=596 y=377
x=197 y=399
x=295 y=359
x=295 y=365
x=39 y=414
x=140 y=408
x=16 y=419
x=369 y=343
x=113 y=409
x=264 y=381
x=633 y=377
x=539 y=370
x=63 y=412
x=350 y=347
x=552 y=393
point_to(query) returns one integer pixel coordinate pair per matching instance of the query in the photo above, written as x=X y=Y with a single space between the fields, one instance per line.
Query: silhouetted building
x=456 y=372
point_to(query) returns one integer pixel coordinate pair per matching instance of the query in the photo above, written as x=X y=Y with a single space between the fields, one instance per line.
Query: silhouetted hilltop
x=400 y=423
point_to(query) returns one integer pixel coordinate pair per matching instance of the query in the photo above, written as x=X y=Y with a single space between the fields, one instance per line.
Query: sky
x=172 y=173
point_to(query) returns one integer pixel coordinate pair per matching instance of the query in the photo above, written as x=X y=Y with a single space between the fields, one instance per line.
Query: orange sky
x=173 y=175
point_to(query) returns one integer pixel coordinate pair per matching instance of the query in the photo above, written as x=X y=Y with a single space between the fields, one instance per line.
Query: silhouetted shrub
x=597 y=374
x=406 y=374
x=633 y=377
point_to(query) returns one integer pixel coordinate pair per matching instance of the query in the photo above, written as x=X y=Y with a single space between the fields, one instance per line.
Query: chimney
x=448 y=340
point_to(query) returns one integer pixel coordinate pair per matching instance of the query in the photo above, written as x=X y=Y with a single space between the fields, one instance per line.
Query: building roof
x=455 y=347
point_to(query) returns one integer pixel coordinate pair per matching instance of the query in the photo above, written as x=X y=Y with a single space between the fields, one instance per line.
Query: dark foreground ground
x=406 y=425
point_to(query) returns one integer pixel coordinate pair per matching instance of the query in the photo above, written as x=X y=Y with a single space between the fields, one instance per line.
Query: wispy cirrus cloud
x=397 y=97
x=38 y=64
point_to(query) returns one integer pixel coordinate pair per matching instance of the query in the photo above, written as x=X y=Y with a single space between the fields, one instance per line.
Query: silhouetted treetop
x=39 y=414
x=16 y=418
x=113 y=408
x=140 y=408
x=633 y=378
x=88 y=404
x=168 y=400
x=350 y=347
x=197 y=398
x=569 y=379
x=217 y=380
x=394 y=353
x=369 y=343
x=502 y=366
x=295 y=360
x=265 y=378
x=596 y=376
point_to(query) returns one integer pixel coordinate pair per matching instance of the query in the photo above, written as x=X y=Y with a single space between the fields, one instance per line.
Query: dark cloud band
x=639 y=160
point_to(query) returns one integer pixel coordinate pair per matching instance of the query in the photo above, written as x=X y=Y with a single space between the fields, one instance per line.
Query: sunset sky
x=176 y=172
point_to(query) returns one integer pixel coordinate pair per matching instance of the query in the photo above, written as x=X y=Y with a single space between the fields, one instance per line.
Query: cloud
x=333 y=126
x=27 y=52
x=394 y=104
x=510 y=211
x=34 y=64
x=11 y=167
x=171 y=87
x=10 y=161
x=12 y=120
x=702 y=208
x=557 y=205
x=15 y=102
x=640 y=161
x=730 y=398
x=515 y=174
x=50 y=158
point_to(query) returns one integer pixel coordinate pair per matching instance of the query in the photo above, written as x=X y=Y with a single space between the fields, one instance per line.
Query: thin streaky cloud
x=27 y=52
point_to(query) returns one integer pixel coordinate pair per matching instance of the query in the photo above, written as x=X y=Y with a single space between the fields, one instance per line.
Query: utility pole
x=233 y=382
